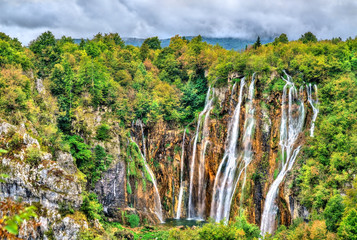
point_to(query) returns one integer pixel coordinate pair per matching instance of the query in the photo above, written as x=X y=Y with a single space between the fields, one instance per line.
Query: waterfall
x=232 y=93
x=158 y=210
x=313 y=103
x=292 y=121
x=178 y=212
x=204 y=141
x=249 y=125
x=226 y=173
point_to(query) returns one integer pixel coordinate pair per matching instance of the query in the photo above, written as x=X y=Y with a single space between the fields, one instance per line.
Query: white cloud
x=26 y=19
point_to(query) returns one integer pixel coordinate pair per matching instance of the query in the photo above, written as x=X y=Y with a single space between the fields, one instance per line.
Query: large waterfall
x=158 y=209
x=292 y=121
x=178 y=212
x=226 y=174
x=197 y=211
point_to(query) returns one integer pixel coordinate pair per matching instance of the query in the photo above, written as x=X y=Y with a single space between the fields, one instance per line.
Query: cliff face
x=162 y=146
x=51 y=185
x=126 y=187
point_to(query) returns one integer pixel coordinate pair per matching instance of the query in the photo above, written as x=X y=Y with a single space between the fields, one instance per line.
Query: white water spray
x=158 y=209
x=314 y=104
x=178 y=212
x=292 y=121
x=226 y=173
x=198 y=212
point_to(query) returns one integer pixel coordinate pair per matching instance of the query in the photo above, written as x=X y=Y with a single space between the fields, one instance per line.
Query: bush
x=333 y=212
x=33 y=156
x=134 y=220
x=103 y=132
x=15 y=141
x=348 y=226
x=91 y=207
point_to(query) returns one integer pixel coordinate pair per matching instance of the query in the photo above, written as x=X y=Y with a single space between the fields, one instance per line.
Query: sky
x=27 y=19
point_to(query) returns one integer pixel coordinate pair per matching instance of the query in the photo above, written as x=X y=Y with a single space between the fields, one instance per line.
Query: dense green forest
x=50 y=85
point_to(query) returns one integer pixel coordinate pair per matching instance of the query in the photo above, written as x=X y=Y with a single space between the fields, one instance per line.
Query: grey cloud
x=26 y=19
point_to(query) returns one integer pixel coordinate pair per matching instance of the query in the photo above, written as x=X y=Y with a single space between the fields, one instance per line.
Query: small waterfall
x=292 y=121
x=204 y=141
x=178 y=212
x=314 y=103
x=158 y=210
x=232 y=94
x=226 y=173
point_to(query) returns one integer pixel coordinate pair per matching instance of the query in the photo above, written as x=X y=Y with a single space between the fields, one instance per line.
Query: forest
x=103 y=103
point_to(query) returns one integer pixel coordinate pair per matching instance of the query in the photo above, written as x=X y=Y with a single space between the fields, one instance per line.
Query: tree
x=46 y=39
x=281 y=39
x=153 y=43
x=348 y=226
x=257 y=44
x=144 y=51
x=333 y=212
x=308 y=37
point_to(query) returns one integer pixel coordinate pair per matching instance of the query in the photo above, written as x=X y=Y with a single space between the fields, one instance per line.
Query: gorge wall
x=127 y=186
x=162 y=145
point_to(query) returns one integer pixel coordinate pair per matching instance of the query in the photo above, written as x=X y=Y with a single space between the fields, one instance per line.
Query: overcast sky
x=26 y=19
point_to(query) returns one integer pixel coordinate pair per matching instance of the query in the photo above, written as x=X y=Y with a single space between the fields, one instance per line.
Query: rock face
x=54 y=181
x=49 y=185
x=163 y=148
x=111 y=190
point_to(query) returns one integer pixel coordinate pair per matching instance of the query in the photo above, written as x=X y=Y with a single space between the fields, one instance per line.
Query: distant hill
x=227 y=43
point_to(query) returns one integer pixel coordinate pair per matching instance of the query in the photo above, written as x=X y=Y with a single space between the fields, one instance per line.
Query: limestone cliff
x=50 y=185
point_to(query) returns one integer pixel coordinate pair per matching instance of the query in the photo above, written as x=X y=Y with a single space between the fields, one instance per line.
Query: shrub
x=333 y=212
x=91 y=207
x=348 y=226
x=133 y=220
x=15 y=141
x=33 y=156
x=103 y=132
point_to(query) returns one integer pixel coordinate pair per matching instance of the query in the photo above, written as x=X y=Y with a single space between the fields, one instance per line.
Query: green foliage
x=103 y=132
x=33 y=156
x=91 y=207
x=333 y=212
x=81 y=153
x=65 y=208
x=257 y=44
x=238 y=229
x=281 y=39
x=133 y=220
x=348 y=226
x=308 y=37
x=153 y=43
x=46 y=39
x=13 y=223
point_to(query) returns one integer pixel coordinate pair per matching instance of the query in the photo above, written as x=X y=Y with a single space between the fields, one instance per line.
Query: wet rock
x=111 y=189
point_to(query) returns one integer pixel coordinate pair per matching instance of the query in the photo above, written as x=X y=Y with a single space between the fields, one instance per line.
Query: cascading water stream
x=292 y=121
x=204 y=141
x=314 y=103
x=178 y=212
x=249 y=125
x=226 y=172
x=158 y=209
